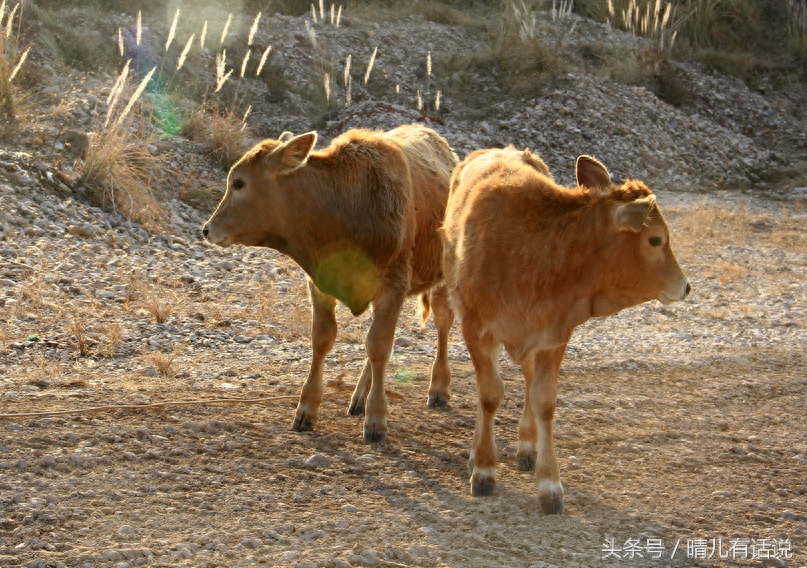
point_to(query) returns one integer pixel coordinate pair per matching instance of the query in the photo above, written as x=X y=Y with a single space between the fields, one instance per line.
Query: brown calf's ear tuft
x=286 y=136
x=592 y=174
x=631 y=216
x=296 y=151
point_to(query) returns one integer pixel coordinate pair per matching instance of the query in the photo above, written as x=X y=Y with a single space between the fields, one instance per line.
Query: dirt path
x=680 y=430
x=647 y=452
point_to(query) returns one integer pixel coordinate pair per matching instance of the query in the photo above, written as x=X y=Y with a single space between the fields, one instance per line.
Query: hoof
x=373 y=436
x=355 y=408
x=526 y=462
x=550 y=497
x=303 y=424
x=482 y=486
x=436 y=401
x=552 y=504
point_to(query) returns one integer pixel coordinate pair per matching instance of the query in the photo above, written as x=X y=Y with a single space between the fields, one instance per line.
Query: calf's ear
x=592 y=174
x=631 y=216
x=295 y=152
x=286 y=136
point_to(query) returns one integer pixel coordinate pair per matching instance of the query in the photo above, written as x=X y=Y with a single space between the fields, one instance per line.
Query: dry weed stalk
x=797 y=29
x=253 y=30
x=244 y=62
x=80 y=340
x=221 y=74
x=264 y=57
x=172 y=32
x=113 y=334
x=185 y=52
x=9 y=43
x=203 y=36
x=370 y=65
x=226 y=30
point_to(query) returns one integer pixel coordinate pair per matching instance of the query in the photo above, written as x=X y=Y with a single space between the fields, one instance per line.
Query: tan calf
x=362 y=218
x=526 y=261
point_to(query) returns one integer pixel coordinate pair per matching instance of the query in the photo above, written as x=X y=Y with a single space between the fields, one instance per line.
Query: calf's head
x=255 y=206
x=640 y=262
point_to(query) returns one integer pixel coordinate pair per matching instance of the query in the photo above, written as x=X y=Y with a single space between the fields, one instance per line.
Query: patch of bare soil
x=676 y=453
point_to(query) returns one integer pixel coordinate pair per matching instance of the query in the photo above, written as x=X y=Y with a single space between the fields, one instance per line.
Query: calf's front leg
x=380 y=336
x=536 y=448
x=323 y=336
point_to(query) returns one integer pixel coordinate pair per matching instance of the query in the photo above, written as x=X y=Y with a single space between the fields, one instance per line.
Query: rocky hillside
x=723 y=133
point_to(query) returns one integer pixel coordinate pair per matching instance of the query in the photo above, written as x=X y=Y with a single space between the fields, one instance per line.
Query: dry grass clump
x=519 y=44
x=112 y=334
x=649 y=19
x=652 y=25
x=117 y=171
x=441 y=13
x=163 y=363
x=726 y=35
x=160 y=308
x=527 y=45
x=721 y=24
x=224 y=132
x=161 y=299
x=118 y=167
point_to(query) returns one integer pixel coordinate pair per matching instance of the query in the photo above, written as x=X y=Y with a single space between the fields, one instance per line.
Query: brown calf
x=526 y=261
x=362 y=218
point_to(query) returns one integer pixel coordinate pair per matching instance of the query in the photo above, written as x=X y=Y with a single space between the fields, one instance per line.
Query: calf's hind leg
x=323 y=336
x=528 y=426
x=359 y=397
x=484 y=353
x=441 y=373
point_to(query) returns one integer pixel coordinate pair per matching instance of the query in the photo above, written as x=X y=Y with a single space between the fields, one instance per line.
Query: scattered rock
x=403 y=342
x=318 y=461
x=127 y=531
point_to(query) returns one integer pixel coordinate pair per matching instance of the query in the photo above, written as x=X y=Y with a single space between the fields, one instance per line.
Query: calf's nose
x=686 y=293
x=205 y=231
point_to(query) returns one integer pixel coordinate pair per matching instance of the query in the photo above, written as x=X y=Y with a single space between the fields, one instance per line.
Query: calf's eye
x=654 y=241
x=238 y=183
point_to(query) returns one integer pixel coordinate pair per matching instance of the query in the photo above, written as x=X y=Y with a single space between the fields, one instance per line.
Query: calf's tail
x=425 y=307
